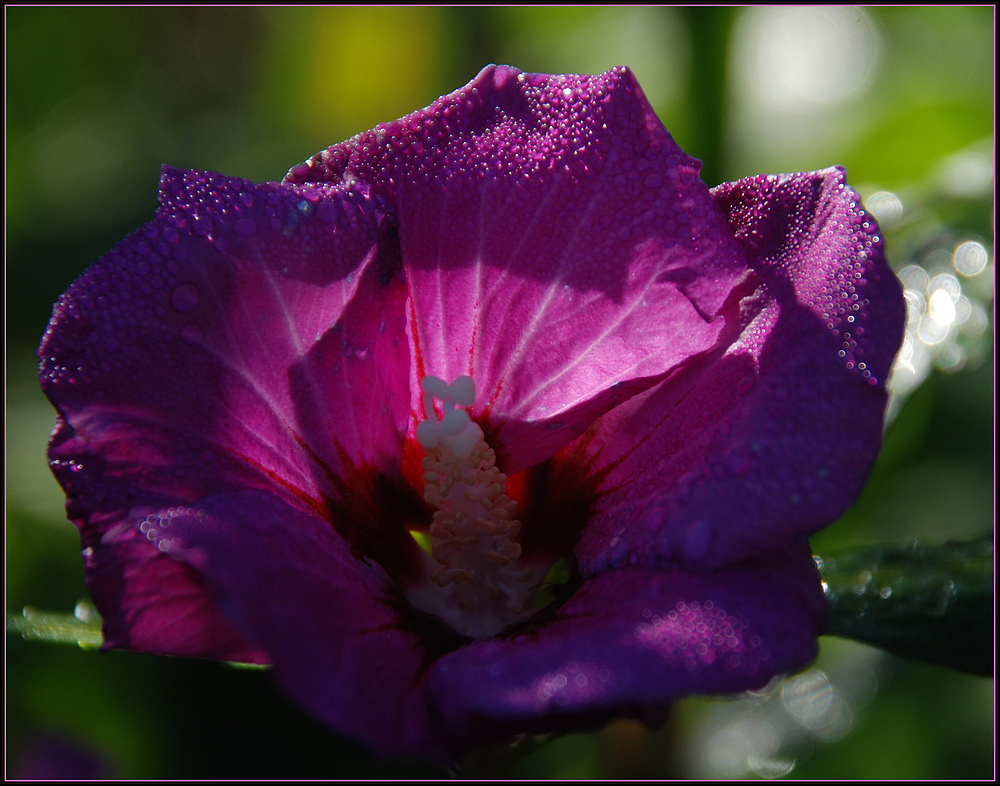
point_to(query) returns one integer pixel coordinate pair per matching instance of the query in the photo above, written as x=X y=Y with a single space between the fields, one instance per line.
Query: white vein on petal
x=513 y=357
x=623 y=315
x=516 y=357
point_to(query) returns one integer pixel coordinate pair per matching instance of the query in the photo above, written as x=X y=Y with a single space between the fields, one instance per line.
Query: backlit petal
x=248 y=337
x=326 y=619
x=772 y=437
x=559 y=246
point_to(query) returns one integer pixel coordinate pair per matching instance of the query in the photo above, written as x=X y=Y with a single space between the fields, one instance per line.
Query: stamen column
x=474 y=531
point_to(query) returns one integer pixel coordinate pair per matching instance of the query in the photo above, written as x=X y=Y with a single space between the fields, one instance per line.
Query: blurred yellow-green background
x=98 y=99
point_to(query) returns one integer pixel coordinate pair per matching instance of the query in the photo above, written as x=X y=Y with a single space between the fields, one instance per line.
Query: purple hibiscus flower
x=493 y=419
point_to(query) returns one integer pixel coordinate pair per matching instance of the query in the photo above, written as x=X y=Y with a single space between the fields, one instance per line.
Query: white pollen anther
x=463 y=391
x=479 y=587
x=455 y=429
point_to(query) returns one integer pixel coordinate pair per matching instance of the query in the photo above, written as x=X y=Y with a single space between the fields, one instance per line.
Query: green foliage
x=930 y=603
x=82 y=628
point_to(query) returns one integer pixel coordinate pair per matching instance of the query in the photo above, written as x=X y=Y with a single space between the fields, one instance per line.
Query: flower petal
x=630 y=642
x=149 y=603
x=755 y=446
x=546 y=225
x=327 y=619
x=249 y=336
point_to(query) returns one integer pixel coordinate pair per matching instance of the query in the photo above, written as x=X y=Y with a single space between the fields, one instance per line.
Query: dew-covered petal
x=149 y=603
x=771 y=438
x=629 y=642
x=250 y=336
x=811 y=231
x=560 y=248
x=327 y=619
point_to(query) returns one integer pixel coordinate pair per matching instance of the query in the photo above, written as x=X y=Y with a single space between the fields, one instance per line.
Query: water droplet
x=699 y=541
x=201 y=225
x=184 y=298
x=326 y=212
x=245 y=226
x=685 y=485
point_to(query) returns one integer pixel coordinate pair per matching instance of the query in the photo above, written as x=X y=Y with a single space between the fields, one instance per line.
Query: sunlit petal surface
x=745 y=435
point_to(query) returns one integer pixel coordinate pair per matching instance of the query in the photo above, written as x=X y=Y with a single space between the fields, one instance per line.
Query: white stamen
x=478 y=586
x=455 y=429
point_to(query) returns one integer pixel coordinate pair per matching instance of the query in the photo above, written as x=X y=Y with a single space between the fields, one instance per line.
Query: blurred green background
x=98 y=99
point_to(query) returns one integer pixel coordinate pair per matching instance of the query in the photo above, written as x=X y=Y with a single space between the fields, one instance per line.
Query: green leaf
x=929 y=603
x=82 y=627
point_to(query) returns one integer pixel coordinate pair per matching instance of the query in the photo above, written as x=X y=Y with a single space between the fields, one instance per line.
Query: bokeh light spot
x=796 y=58
x=970 y=258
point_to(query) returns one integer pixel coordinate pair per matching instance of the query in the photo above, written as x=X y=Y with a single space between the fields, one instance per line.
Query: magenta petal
x=629 y=642
x=248 y=337
x=546 y=225
x=694 y=381
x=153 y=604
x=756 y=446
x=810 y=233
x=327 y=620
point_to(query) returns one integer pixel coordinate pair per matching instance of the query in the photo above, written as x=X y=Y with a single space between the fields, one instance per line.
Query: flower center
x=478 y=588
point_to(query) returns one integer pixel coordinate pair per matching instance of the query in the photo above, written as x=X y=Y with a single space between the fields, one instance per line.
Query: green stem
x=711 y=30
x=929 y=603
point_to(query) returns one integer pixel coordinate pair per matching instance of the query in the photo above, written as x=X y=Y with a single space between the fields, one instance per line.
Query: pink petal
x=153 y=604
x=250 y=336
x=559 y=246
x=327 y=619
x=630 y=642
x=753 y=447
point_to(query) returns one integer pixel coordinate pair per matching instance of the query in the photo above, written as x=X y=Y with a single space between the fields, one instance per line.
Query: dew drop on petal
x=245 y=226
x=201 y=225
x=184 y=298
x=698 y=541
